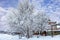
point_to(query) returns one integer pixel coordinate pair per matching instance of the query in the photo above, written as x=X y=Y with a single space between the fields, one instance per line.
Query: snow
x=15 y=37
x=8 y=37
x=46 y=38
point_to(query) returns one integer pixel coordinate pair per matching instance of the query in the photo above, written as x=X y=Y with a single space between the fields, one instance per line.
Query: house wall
x=53 y=25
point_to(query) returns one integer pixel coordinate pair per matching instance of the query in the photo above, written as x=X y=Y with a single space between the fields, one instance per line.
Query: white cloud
x=2 y=10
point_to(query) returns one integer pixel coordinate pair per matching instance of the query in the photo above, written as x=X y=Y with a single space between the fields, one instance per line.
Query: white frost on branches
x=23 y=21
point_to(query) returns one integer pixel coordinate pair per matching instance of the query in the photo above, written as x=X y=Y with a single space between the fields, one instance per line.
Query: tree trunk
x=28 y=33
x=20 y=36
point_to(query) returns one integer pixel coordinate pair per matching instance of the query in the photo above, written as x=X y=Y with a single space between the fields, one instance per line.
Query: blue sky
x=8 y=3
x=13 y=3
x=52 y=7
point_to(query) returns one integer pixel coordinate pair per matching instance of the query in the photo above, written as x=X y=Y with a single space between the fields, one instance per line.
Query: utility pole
x=52 y=30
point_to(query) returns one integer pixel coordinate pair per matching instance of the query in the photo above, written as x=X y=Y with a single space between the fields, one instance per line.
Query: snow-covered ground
x=10 y=37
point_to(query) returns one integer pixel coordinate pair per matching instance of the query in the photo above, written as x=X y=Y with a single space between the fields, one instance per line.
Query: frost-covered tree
x=20 y=20
x=25 y=12
x=40 y=21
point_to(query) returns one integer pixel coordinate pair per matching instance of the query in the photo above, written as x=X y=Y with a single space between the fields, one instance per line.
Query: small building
x=53 y=25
